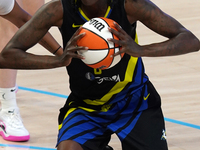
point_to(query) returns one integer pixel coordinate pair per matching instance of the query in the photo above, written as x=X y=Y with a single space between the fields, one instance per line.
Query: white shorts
x=6 y=6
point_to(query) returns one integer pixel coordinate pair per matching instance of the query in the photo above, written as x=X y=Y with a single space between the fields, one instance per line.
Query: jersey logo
x=91 y=77
x=115 y=78
x=164 y=136
x=145 y=98
x=75 y=26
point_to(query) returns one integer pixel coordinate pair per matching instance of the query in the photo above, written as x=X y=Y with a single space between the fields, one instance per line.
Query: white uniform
x=6 y=6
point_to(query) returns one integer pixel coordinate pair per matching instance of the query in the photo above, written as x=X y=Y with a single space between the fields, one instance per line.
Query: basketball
x=100 y=50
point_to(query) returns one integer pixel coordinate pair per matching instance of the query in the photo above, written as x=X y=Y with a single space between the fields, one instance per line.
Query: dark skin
x=95 y=10
x=151 y=16
x=19 y=17
x=180 y=40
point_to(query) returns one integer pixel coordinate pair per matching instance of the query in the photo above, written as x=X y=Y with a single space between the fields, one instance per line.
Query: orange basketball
x=98 y=55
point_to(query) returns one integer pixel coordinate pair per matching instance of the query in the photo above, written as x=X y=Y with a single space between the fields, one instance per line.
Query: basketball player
x=131 y=107
x=11 y=127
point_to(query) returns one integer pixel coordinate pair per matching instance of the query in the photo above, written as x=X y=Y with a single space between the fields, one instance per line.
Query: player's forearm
x=47 y=41
x=183 y=43
x=19 y=17
x=51 y=44
x=18 y=59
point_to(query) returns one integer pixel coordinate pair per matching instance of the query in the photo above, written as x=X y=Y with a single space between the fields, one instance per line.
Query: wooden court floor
x=42 y=92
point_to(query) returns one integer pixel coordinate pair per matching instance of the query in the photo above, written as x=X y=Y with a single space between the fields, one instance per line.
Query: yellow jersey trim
x=86 y=18
x=120 y=85
x=116 y=89
x=69 y=111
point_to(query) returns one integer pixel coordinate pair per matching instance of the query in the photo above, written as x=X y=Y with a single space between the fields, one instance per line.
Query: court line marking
x=65 y=96
x=42 y=92
x=25 y=146
x=183 y=123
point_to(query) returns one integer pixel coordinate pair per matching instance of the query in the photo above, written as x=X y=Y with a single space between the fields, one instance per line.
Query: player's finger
x=76 y=33
x=77 y=37
x=77 y=48
x=119 y=28
x=119 y=52
x=67 y=55
x=74 y=39
x=117 y=33
x=119 y=42
x=76 y=55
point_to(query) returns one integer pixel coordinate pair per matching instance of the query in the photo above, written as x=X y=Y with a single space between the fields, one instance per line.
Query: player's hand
x=128 y=45
x=71 y=49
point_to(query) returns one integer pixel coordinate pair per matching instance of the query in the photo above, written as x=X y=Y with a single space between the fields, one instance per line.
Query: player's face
x=89 y=2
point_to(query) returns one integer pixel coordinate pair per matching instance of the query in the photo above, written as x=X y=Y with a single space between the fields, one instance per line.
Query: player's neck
x=97 y=10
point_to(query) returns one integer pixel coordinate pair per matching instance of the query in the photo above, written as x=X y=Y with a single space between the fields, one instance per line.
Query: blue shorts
x=136 y=128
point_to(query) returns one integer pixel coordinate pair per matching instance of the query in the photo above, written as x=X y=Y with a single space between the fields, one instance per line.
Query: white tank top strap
x=6 y=6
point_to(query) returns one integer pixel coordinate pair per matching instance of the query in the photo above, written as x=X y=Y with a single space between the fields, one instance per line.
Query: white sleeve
x=6 y=6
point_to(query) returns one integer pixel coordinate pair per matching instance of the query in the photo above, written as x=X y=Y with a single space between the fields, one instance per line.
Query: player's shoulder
x=139 y=9
x=56 y=4
x=138 y=4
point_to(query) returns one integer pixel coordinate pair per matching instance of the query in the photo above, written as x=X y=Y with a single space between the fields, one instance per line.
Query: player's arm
x=14 y=55
x=180 y=40
x=19 y=17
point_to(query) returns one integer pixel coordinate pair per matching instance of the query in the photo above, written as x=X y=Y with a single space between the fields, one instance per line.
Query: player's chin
x=89 y=2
